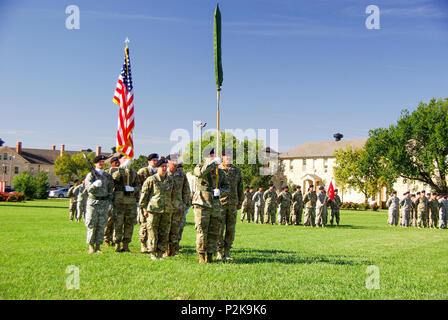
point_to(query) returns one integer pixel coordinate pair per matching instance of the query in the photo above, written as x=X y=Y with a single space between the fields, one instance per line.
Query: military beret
x=99 y=158
x=115 y=159
x=285 y=187
x=76 y=180
x=251 y=187
x=247 y=187
x=271 y=184
x=424 y=191
x=180 y=165
x=153 y=156
x=418 y=192
x=336 y=190
x=405 y=193
x=311 y=186
x=395 y=192
x=212 y=151
x=321 y=188
x=413 y=195
x=161 y=161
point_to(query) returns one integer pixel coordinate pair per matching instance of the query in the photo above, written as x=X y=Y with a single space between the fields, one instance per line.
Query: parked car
x=59 y=193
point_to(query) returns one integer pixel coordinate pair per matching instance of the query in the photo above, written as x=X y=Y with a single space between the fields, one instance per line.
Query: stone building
x=13 y=161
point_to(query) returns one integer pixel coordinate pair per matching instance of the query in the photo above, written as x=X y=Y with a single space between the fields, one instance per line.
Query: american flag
x=124 y=98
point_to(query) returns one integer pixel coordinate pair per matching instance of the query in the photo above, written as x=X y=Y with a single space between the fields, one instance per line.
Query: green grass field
x=38 y=243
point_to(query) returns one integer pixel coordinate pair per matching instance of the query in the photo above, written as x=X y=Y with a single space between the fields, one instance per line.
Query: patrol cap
x=99 y=158
x=153 y=156
x=161 y=161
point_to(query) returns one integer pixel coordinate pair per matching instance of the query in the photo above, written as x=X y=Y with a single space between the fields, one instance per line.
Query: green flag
x=217 y=47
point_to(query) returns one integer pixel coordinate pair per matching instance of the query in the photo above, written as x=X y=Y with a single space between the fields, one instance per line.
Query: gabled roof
x=324 y=149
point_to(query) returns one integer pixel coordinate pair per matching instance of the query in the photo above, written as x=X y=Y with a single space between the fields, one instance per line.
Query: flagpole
x=217 y=132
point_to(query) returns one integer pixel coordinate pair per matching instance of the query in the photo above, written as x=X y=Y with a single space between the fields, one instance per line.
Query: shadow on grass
x=31 y=206
x=249 y=256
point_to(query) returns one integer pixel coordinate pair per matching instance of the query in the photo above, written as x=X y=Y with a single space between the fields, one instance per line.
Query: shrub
x=12 y=197
x=374 y=207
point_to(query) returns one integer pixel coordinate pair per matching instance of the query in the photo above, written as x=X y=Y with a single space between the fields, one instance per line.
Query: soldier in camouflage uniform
x=99 y=186
x=181 y=199
x=284 y=200
x=394 y=209
x=247 y=207
x=72 y=203
x=157 y=202
x=112 y=214
x=413 y=220
x=207 y=207
x=81 y=200
x=231 y=203
x=335 y=205
x=433 y=211
x=321 y=208
x=406 y=208
x=258 y=202
x=310 y=206
x=443 y=212
x=422 y=210
x=126 y=193
x=270 y=204
x=297 y=207
x=143 y=174
x=183 y=222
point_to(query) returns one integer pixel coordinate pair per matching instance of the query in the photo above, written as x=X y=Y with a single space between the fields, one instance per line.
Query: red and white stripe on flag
x=2 y=186
x=124 y=98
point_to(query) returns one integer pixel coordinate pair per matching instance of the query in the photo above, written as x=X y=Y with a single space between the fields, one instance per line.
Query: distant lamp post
x=200 y=125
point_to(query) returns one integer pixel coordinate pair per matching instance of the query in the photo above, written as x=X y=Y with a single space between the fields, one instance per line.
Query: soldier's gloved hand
x=128 y=189
x=216 y=192
x=217 y=160
x=97 y=183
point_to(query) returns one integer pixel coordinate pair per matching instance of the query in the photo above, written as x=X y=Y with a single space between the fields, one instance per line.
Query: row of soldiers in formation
x=420 y=210
x=158 y=197
x=261 y=207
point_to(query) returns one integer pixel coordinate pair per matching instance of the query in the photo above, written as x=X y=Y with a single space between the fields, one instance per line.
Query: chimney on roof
x=53 y=147
x=338 y=136
x=98 y=150
x=19 y=147
x=62 y=150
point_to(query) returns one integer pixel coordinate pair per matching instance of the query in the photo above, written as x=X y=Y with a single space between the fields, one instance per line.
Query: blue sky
x=307 y=68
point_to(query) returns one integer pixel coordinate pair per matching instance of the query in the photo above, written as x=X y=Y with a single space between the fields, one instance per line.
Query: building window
x=291 y=167
x=16 y=170
x=5 y=156
x=5 y=170
x=304 y=164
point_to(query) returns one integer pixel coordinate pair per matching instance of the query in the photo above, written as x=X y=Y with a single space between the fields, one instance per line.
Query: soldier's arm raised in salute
x=202 y=170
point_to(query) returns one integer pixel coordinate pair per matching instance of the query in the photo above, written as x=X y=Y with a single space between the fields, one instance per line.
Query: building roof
x=324 y=149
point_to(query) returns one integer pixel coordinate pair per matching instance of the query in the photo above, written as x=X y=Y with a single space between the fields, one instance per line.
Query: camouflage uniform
x=81 y=202
x=335 y=205
x=414 y=213
x=443 y=211
x=247 y=208
x=433 y=213
x=393 y=204
x=181 y=199
x=297 y=208
x=111 y=215
x=270 y=200
x=157 y=199
x=258 y=202
x=310 y=208
x=422 y=209
x=98 y=202
x=143 y=174
x=406 y=208
x=72 y=203
x=207 y=208
x=321 y=209
x=125 y=204
x=284 y=200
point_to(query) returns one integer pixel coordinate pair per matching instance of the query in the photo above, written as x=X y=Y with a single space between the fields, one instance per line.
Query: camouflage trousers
x=143 y=232
x=413 y=217
x=81 y=210
x=207 y=223
x=283 y=216
x=258 y=214
x=125 y=218
x=296 y=215
x=248 y=212
x=72 y=209
x=228 y=222
x=433 y=218
x=96 y=219
x=269 y=214
x=334 y=215
x=393 y=217
x=109 y=230
x=405 y=218
x=158 y=229
x=176 y=220
x=310 y=214
x=183 y=222
x=321 y=216
x=421 y=220
x=442 y=219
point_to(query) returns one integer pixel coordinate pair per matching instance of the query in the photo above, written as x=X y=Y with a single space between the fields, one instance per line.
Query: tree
x=42 y=185
x=26 y=184
x=416 y=147
x=1 y=142
x=140 y=162
x=70 y=168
